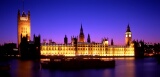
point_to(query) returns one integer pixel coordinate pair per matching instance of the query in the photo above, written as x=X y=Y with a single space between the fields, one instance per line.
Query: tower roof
x=88 y=36
x=65 y=36
x=128 y=29
x=81 y=28
x=88 y=39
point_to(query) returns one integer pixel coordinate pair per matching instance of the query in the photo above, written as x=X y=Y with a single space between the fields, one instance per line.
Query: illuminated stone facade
x=82 y=48
x=23 y=23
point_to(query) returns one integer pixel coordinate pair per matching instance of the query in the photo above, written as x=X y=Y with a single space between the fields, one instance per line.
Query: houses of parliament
x=78 y=45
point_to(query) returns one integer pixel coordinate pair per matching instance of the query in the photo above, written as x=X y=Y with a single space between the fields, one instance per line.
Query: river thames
x=125 y=67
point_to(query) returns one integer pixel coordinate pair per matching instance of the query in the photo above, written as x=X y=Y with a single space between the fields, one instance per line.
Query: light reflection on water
x=125 y=67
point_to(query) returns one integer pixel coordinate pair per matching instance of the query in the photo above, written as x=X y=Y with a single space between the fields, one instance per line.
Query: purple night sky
x=52 y=19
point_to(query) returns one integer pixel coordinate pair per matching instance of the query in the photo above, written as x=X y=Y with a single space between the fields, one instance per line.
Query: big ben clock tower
x=128 y=36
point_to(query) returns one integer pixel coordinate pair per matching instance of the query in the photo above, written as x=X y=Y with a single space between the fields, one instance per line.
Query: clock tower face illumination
x=128 y=36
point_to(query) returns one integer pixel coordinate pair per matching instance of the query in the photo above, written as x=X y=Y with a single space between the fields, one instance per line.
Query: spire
x=112 y=42
x=81 y=35
x=88 y=39
x=128 y=29
x=81 y=30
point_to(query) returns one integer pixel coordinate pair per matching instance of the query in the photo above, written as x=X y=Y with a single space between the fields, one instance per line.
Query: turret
x=50 y=41
x=105 y=41
x=44 y=41
x=88 y=39
x=81 y=35
x=72 y=40
x=29 y=15
x=37 y=39
x=112 y=43
x=18 y=15
x=65 y=40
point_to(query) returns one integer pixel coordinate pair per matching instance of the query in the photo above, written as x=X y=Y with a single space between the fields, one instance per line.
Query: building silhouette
x=30 y=49
x=139 y=47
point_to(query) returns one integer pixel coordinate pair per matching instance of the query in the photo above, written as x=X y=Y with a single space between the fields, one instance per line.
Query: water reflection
x=24 y=68
x=147 y=68
x=125 y=67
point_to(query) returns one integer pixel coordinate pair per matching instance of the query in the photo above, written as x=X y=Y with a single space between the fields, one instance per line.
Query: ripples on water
x=125 y=67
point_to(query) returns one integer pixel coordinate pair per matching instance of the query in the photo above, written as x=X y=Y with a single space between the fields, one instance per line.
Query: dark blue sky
x=52 y=19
